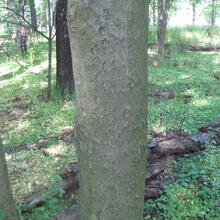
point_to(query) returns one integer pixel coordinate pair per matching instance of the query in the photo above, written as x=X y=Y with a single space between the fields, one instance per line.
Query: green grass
x=29 y=120
x=194 y=191
x=186 y=74
x=193 y=35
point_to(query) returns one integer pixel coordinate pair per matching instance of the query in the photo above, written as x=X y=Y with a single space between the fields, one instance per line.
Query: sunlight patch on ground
x=184 y=76
x=6 y=69
x=200 y=102
x=43 y=65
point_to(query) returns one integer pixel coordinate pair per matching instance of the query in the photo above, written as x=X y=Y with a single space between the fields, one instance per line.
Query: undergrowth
x=29 y=122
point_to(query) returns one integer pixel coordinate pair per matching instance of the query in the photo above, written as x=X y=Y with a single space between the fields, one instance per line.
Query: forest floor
x=30 y=125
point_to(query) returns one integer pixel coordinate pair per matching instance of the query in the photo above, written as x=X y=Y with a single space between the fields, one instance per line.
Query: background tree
x=163 y=12
x=33 y=14
x=64 y=75
x=108 y=43
x=7 y=206
x=212 y=11
x=23 y=24
x=194 y=4
x=23 y=30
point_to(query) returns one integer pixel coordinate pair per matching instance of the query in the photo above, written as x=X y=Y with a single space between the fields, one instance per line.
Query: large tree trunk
x=7 y=206
x=33 y=14
x=109 y=47
x=64 y=76
x=194 y=13
x=23 y=31
x=163 y=10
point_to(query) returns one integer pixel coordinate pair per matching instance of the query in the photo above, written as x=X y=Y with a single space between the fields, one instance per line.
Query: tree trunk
x=50 y=48
x=213 y=18
x=23 y=31
x=162 y=25
x=194 y=13
x=33 y=14
x=109 y=47
x=64 y=76
x=154 y=7
x=7 y=206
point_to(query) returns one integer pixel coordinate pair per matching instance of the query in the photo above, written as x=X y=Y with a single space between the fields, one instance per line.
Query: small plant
x=194 y=193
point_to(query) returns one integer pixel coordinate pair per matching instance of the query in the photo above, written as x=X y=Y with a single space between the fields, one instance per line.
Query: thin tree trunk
x=194 y=13
x=64 y=77
x=33 y=14
x=7 y=206
x=154 y=7
x=109 y=48
x=213 y=18
x=163 y=10
x=50 y=49
x=23 y=31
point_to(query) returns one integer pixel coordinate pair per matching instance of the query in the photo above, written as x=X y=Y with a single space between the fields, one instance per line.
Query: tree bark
x=194 y=13
x=23 y=31
x=163 y=10
x=33 y=14
x=109 y=47
x=7 y=205
x=64 y=75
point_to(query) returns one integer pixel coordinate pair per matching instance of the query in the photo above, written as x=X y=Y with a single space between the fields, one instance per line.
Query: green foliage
x=212 y=10
x=53 y=203
x=195 y=191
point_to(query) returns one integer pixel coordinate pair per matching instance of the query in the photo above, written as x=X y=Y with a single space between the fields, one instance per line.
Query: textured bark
x=109 y=47
x=163 y=10
x=64 y=75
x=6 y=200
x=33 y=14
x=23 y=31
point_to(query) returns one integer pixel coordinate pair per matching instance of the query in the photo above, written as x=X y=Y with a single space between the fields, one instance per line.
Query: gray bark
x=23 y=31
x=163 y=10
x=194 y=13
x=109 y=47
x=6 y=201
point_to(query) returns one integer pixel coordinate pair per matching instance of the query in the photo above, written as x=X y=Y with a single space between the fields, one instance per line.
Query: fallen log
x=161 y=153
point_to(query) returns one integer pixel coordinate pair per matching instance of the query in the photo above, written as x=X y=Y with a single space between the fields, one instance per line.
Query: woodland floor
x=29 y=124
